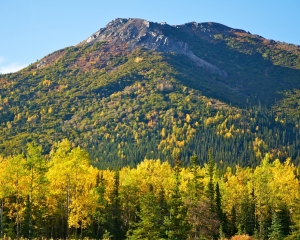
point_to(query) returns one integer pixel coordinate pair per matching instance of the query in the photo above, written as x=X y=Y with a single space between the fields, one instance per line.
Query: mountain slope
x=138 y=89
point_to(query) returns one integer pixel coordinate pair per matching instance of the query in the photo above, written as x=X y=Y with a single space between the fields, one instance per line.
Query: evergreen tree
x=295 y=233
x=247 y=215
x=275 y=231
x=163 y=206
x=100 y=214
x=210 y=186
x=195 y=188
x=149 y=227
x=284 y=216
x=176 y=223
x=107 y=236
x=232 y=228
x=219 y=211
x=115 y=219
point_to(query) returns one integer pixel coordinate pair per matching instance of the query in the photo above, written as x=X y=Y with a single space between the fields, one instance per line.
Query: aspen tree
x=36 y=181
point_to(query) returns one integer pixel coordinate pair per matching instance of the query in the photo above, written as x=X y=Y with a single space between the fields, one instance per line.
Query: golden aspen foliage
x=69 y=182
x=236 y=186
x=152 y=172
x=47 y=83
x=284 y=185
x=17 y=187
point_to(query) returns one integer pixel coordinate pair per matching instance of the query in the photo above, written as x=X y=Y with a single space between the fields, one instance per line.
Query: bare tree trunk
x=68 y=205
x=30 y=206
x=1 y=216
x=17 y=201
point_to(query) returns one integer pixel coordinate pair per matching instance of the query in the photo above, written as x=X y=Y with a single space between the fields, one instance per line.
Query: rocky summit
x=135 y=33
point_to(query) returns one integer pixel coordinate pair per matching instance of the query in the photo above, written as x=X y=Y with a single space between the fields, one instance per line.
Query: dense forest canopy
x=61 y=195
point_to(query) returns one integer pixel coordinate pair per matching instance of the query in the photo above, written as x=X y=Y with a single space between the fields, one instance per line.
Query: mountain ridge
x=138 y=89
x=142 y=33
x=122 y=36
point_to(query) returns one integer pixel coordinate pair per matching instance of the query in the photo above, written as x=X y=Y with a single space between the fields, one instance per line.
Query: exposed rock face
x=142 y=33
x=134 y=32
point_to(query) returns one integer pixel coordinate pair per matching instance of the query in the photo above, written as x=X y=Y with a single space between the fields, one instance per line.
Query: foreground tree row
x=61 y=196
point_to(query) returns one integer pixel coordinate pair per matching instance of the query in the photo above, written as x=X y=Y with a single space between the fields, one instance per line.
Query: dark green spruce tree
x=210 y=188
x=219 y=211
x=247 y=215
x=177 y=226
x=100 y=213
x=163 y=208
x=150 y=226
x=232 y=227
x=284 y=216
x=195 y=187
x=275 y=231
x=115 y=211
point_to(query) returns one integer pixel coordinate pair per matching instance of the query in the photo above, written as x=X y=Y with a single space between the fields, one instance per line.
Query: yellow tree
x=3 y=191
x=153 y=172
x=69 y=182
x=134 y=184
x=16 y=188
x=261 y=178
x=284 y=184
x=35 y=179
x=284 y=191
x=237 y=192
x=275 y=188
x=84 y=202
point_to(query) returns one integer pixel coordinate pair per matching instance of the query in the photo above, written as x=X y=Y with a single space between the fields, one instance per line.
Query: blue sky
x=31 y=29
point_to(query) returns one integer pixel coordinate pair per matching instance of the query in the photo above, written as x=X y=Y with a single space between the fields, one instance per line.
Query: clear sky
x=31 y=29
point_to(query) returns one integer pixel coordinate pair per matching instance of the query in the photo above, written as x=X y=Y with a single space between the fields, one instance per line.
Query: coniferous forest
x=61 y=195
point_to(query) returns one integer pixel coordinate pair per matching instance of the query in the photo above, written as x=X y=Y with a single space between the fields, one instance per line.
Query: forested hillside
x=137 y=89
x=61 y=195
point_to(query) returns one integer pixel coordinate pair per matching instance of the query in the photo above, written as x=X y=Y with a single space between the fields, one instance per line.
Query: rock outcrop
x=141 y=33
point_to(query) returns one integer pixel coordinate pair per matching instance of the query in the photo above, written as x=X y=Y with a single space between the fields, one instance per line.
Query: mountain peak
x=133 y=31
x=139 y=33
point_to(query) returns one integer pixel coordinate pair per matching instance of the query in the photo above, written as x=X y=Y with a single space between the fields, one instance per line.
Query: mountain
x=137 y=89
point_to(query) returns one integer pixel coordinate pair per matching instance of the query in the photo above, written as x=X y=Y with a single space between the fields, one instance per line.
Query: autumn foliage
x=62 y=195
